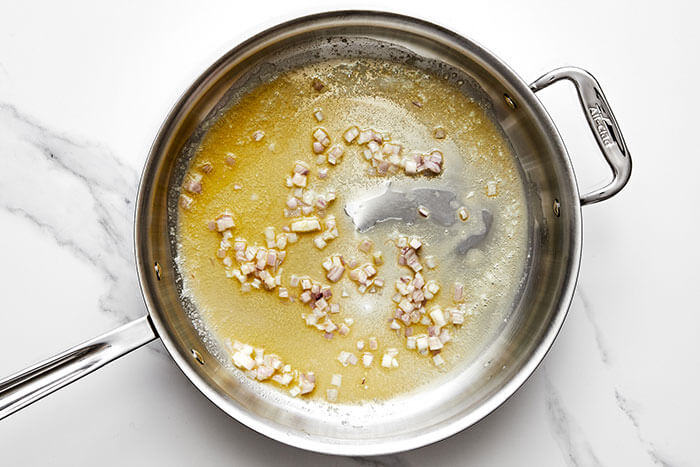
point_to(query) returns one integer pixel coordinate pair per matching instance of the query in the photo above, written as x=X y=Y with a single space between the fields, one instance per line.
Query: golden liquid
x=373 y=95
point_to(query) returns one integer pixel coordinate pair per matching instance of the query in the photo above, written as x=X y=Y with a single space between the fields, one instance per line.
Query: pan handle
x=603 y=125
x=29 y=385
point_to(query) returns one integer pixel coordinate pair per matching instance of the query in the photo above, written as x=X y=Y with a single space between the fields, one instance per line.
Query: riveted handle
x=603 y=125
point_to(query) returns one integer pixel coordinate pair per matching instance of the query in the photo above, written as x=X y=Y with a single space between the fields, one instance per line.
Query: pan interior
x=499 y=367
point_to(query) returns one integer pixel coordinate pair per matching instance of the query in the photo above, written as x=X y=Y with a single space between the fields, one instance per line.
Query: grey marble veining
x=596 y=329
x=620 y=386
x=654 y=454
x=572 y=441
x=80 y=194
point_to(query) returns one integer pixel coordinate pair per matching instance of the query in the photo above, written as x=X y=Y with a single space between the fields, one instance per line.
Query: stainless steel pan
x=554 y=205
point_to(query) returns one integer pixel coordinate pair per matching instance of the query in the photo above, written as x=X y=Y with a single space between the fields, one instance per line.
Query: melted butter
x=374 y=95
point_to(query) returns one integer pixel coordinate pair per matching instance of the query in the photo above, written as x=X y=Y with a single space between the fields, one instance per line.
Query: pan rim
x=387 y=445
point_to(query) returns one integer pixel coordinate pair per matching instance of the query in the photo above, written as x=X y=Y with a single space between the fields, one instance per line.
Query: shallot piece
x=457 y=316
x=321 y=136
x=491 y=189
x=258 y=135
x=345 y=358
x=317 y=84
x=193 y=183
x=364 y=136
x=306 y=224
x=351 y=134
x=318 y=115
x=373 y=345
x=224 y=222
x=317 y=147
x=334 y=154
x=335 y=273
x=365 y=246
x=185 y=202
x=463 y=213
x=301 y=168
x=307 y=382
x=439 y=133
x=459 y=292
x=299 y=180
x=332 y=394
x=336 y=380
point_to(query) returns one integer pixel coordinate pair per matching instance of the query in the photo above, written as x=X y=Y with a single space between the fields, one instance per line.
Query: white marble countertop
x=83 y=89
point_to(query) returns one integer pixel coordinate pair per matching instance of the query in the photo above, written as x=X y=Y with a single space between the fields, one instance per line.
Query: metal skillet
x=554 y=207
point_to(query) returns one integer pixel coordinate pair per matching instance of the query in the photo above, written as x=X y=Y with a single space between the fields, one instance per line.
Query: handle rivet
x=556 y=206
x=156 y=266
x=197 y=357
x=509 y=100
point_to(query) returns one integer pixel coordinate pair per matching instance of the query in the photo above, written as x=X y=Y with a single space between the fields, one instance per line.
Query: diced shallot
x=373 y=345
x=351 y=134
x=365 y=246
x=242 y=360
x=193 y=183
x=334 y=154
x=459 y=292
x=491 y=189
x=307 y=382
x=224 y=222
x=317 y=84
x=299 y=179
x=185 y=202
x=434 y=343
x=307 y=224
x=463 y=213
x=331 y=395
x=336 y=380
x=365 y=136
x=335 y=273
